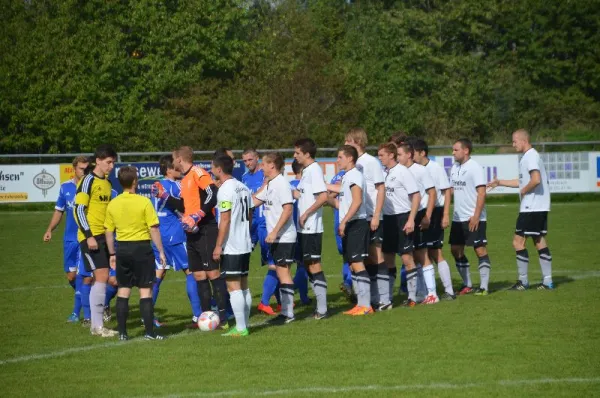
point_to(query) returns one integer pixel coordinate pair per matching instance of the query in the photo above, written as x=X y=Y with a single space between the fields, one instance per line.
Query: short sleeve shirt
x=311 y=184
x=274 y=196
x=465 y=178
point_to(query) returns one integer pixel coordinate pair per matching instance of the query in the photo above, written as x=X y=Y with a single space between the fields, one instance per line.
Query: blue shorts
x=81 y=268
x=258 y=234
x=177 y=257
x=338 y=240
x=71 y=256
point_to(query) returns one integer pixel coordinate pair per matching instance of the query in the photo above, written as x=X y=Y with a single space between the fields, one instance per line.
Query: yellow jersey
x=91 y=200
x=131 y=216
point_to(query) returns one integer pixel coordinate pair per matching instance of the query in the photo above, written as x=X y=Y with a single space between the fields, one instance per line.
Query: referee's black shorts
x=135 y=264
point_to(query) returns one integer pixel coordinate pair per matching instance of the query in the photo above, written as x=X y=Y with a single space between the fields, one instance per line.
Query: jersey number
x=245 y=209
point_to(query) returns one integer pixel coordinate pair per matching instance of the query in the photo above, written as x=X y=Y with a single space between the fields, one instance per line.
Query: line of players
x=373 y=228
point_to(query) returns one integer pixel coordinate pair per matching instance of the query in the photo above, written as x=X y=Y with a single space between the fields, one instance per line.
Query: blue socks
x=347 y=275
x=77 y=296
x=403 y=285
x=301 y=283
x=111 y=292
x=85 y=300
x=156 y=289
x=269 y=286
x=192 y=292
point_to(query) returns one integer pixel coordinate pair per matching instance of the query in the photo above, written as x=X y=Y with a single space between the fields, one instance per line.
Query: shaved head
x=520 y=141
x=522 y=134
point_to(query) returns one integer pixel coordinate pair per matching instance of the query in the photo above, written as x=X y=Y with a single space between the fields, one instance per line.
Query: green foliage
x=149 y=75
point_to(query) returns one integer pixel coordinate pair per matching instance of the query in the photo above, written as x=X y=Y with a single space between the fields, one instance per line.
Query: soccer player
x=301 y=277
x=278 y=201
x=425 y=270
x=71 y=253
x=312 y=195
x=402 y=200
x=173 y=238
x=534 y=191
x=254 y=179
x=233 y=246
x=440 y=218
x=373 y=174
x=135 y=222
x=469 y=219
x=91 y=201
x=354 y=227
x=197 y=202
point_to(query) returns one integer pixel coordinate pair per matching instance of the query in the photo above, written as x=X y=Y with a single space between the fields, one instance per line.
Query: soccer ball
x=209 y=320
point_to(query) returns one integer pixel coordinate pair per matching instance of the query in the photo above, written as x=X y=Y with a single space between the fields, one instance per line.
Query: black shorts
x=95 y=259
x=434 y=235
x=534 y=223
x=355 y=242
x=235 y=264
x=418 y=235
x=376 y=237
x=460 y=234
x=283 y=253
x=394 y=239
x=200 y=247
x=135 y=264
x=310 y=246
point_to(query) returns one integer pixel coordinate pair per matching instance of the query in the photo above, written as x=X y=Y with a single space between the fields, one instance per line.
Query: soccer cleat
x=266 y=309
x=481 y=292
x=103 y=332
x=385 y=307
x=192 y=325
x=448 y=297
x=409 y=303
x=107 y=315
x=519 y=286
x=543 y=286
x=157 y=323
x=465 y=290
x=352 y=310
x=431 y=299
x=363 y=311
x=223 y=326
x=234 y=332
x=73 y=318
x=155 y=337
x=123 y=337
x=318 y=316
x=86 y=323
x=281 y=320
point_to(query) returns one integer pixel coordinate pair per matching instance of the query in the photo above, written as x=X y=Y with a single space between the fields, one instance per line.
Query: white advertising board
x=29 y=183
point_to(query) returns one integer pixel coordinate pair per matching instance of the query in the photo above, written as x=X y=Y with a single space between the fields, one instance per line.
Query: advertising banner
x=29 y=183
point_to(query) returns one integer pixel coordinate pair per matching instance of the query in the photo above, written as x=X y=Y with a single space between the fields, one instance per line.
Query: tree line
x=149 y=75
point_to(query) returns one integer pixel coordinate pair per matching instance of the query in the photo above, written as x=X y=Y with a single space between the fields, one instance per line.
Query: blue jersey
x=171 y=231
x=65 y=203
x=254 y=181
x=293 y=186
x=337 y=179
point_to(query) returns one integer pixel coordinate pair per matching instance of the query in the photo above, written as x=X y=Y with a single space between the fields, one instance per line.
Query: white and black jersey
x=424 y=182
x=537 y=199
x=351 y=178
x=235 y=197
x=276 y=194
x=465 y=179
x=399 y=184
x=372 y=171
x=311 y=184
x=440 y=179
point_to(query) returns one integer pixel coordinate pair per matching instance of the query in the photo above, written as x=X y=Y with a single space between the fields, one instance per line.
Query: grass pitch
x=533 y=343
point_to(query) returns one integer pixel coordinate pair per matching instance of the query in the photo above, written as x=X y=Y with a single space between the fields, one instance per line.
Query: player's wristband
x=111 y=254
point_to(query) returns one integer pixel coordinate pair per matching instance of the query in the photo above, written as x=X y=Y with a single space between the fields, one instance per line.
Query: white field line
x=401 y=387
x=574 y=274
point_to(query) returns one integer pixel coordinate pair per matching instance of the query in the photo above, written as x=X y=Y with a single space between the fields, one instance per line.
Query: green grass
x=509 y=343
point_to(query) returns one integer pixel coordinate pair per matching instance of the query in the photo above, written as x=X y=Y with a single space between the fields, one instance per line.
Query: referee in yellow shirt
x=135 y=221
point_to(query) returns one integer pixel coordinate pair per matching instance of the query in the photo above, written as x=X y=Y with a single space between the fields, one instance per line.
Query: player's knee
x=481 y=251
x=518 y=243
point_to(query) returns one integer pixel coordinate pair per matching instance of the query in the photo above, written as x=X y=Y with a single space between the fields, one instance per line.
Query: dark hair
x=80 y=159
x=307 y=145
x=466 y=143
x=221 y=151
x=165 y=163
x=350 y=151
x=296 y=168
x=398 y=138
x=127 y=176
x=91 y=161
x=420 y=145
x=224 y=162
x=105 y=151
x=407 y=148
x=275 y=158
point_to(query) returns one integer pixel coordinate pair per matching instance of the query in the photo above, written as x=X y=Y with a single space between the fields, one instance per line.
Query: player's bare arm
x=415 y=200
x=474 y=220
x=288 y=210
x=54 y=221
x=446 y=217
x=356 y=203
x=319 y=202
x=156 y=239
x=534 y=181
x=378 y=206
x=224 y=225
x=110 y=244
x=429 y=210
x=502 y=183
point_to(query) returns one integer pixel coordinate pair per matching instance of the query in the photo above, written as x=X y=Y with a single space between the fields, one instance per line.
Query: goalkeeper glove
x=190 y=221
x=158 y=191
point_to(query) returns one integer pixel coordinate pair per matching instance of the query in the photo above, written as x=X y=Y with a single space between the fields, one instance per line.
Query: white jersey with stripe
x=373 y=174
x=465 y=178
x=311 y=184
x=276 y=194
x=351 y=178
x=440 y=179
x=399 y=184
x=235 y=197
x=424 y=182
x=537 y=199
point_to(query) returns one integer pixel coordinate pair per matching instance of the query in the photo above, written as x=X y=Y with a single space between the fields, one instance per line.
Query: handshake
x=189 y=222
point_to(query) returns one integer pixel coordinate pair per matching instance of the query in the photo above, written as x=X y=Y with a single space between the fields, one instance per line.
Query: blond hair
x=359 y=136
